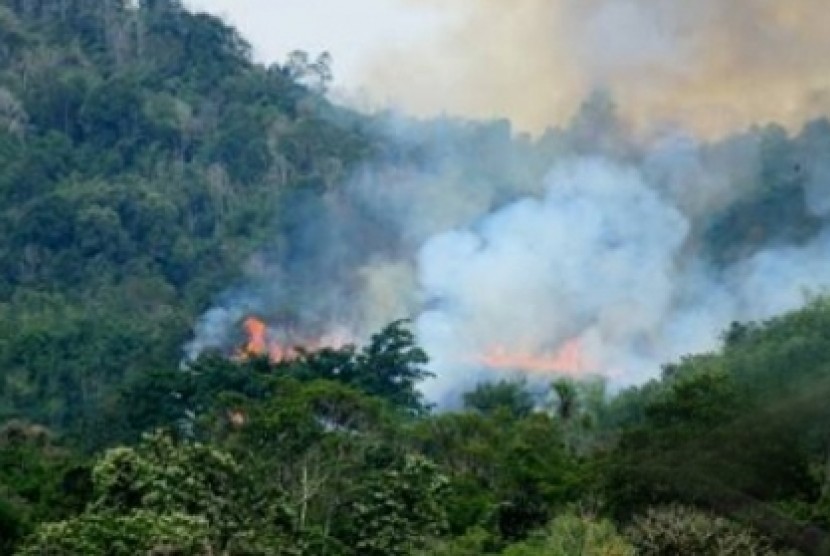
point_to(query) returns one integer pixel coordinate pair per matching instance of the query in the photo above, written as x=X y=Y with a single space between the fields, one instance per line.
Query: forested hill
x=142 y=155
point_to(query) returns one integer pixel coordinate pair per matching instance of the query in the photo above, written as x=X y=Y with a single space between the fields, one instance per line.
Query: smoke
x=602 y=259
x=506 y=251
x=610 y=244
x=709 y=65
x=817 y=166
x=344 y=259
x=593 y=259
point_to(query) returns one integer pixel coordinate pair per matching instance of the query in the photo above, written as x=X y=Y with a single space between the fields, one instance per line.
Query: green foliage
x=566 y=399
x=476 y=541
x=140 y=532
x=324 y=454
x=743 y=429
x=165 y=477
x=571 y=535
x=512 y=397
x=39 y=480
x=166 y=495
x=506 y=473
x=398 y=510
x=391 y=366
x=142 y=154
x=671 y=530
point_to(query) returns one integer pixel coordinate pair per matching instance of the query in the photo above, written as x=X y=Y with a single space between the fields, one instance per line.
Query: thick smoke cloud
x=343 y=263
x=595 y=258
x=612 y=243
x=639 y=250
x=709 y=65
x=605 y=257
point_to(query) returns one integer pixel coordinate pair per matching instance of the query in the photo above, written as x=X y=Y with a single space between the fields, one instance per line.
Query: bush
x=571 y=535
x=673 y=530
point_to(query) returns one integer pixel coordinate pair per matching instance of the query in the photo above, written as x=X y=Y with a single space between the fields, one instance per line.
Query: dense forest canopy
x=146 y=164
x=143 y=154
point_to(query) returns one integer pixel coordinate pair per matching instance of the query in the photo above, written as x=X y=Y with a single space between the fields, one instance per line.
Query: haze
x=709 y=66
x=354 y=32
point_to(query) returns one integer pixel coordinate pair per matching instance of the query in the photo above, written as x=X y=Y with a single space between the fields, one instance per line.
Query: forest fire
x=261 y=341
x=569 y=359
x=280 y=346
x=255 y=329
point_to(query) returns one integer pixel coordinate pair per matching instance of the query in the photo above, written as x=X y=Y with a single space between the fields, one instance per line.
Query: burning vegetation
x=140 y=165
x=568 y=360
x=279 y=345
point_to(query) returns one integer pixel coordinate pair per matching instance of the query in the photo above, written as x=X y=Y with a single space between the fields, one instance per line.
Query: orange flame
x=255 y=329
x=569 y=359
x=260 y=343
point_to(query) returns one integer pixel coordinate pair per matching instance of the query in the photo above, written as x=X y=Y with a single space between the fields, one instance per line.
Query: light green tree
x=167 y=497
x=572 y=535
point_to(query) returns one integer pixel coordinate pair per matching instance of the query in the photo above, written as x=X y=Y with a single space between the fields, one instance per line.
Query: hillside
x=159 y=191
x=142 y=157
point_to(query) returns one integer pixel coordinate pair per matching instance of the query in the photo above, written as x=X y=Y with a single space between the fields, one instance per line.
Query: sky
x=354 y=32
x=709 y=66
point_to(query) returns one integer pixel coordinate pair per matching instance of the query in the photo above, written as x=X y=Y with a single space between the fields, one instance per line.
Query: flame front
x=569 y=359
x=260 y=341
x=256 y=344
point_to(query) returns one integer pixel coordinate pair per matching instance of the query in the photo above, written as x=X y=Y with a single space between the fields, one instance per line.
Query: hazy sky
x=710 y=65
x=355 y=32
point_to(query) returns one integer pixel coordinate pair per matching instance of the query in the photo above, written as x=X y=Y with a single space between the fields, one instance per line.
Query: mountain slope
x=142 y=155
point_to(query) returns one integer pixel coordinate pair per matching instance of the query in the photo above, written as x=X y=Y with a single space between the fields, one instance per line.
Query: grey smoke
x=595 y=258
x=213 y=328
x=489 y=239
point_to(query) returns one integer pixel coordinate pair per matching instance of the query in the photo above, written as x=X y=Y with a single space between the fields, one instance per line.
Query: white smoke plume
x=505 y=250
x=602 y=258
x=597 y=258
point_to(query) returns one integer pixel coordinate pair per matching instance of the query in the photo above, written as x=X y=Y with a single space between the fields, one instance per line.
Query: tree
x=571 y=535
x=140 y=532
x=13 y=117
x=166 y=496
x=307 y=441
x=671 y=530
x=136 y=148
x=510 y=396
x=566 y=399
x=392 y=365
x=397 y=509
x=315 y=74
x=39 y=480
